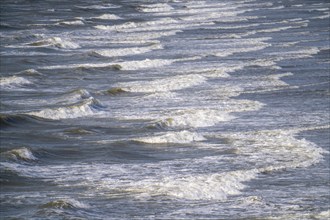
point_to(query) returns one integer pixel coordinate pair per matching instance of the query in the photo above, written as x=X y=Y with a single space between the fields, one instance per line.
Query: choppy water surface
x=171 y=109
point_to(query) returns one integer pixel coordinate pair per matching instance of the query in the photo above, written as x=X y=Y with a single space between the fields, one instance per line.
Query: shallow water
x=165 y=109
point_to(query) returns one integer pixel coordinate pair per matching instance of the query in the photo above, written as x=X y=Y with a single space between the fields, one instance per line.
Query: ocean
x=165 y=109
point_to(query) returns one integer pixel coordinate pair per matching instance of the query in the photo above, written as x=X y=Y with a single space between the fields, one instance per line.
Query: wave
x=161 y=24
x=117 y=52
x=273 y=150
x=163 y=85
x=295 y=54
x=181 y=137
x=113 y=91
x=73 y=96
x=158 y=7
x=195 y=118
x=216 y=186
x=107 y=17
x=267 y=83
x=56 y=42
x=8 y=120
x=14 y=82
x=125 y=65
x=65 y=203
x=98 y=7
x=20 y=154
x=88 y=107
x=198 y=187
x=70 y=23
x=134 y=25
x=30 y=72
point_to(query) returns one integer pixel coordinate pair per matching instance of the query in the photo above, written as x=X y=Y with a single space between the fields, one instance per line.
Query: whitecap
x=20 y=154
x=100 y=7
x=117 y=52
x=13 y=82
x=196 y=118
x=107 y=17
x=77 y=22
x=125 y=65
x=88 y=107
x=274 y=150
x=158 y=7
x=165 y=84
x=73 y=96
x=295 y=54
x=199 y=187
x=56 y=42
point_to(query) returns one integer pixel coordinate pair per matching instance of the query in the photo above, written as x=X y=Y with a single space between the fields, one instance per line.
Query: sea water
x=167 y=109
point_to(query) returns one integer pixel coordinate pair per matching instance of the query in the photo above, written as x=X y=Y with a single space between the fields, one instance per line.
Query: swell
x=14 y=120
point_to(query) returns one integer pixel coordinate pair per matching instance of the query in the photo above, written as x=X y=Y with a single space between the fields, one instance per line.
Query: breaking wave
x=20 y=154
x=165 y=84
x=55 y=42
x=13 y=82
x=88 y=107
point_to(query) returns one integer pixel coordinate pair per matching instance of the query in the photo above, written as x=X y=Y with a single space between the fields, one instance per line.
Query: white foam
x=223 y=92
x=267 y=83
x=20 y=154
x=13 y=82
x=86 y=108
x=203 y=186
x=77 y=22
x=196 y=118
x=162 y=24
x=324 y=214
x=219 y=72
x=273 y=150
x=127 y=51
x=159 y=7
x=142 y=37
x=294 y=54
x=72 y=97
x=100 y=7
x=125 y=65
x=132 y=26
x=30 y=72
x=108 y=17
x=165 y=84
x=325 y=16
x=222 y=47
x=172 y=137
x=162 y=178
x=231 y=51
x=53 y=42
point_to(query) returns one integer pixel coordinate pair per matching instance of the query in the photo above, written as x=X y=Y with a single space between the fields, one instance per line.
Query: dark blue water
x=165 y=109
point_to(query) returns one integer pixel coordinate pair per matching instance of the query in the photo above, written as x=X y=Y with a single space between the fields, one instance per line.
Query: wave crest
x=87 y=107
